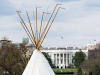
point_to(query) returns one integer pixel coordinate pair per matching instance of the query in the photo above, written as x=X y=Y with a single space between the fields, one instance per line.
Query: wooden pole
x=37 y=41
x=26 y=27
x=48 y=29
x=28 y=34
x=34 y=25
x=41 y=26
x=36 y=29
x=46 y=26
x=44 y=21
x=31 y=28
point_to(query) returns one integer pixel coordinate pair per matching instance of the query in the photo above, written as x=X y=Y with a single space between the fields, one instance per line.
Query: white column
x=63 y=60
x=53 y=57
x=69 y=58
x=59 y=60
x=56 y=59
x=66 y=59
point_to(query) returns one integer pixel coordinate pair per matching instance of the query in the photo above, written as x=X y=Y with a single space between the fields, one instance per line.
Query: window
x=50 y=55
x=54 y=55
x=64 y=55
x=72 y=55
x=57 y=61
x=68 y=61
x=61 y=61
x=54 y=61
x=68 y=55
x=61 y=55
x=57 y=55
x=65 y=62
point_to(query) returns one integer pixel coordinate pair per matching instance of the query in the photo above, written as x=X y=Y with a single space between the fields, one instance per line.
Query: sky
x=79 y=24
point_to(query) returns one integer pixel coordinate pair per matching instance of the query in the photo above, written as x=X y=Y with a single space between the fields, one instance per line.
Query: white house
x=62 y=57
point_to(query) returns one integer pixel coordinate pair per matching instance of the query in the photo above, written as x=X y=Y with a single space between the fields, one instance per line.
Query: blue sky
x=79 y=24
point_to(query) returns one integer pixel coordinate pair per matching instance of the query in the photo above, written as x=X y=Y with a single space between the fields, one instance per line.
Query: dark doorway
x=61 y=66
x=65 y=67
x=57 y=66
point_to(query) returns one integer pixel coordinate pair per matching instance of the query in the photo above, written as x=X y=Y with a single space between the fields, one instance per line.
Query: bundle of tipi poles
x=38 y=35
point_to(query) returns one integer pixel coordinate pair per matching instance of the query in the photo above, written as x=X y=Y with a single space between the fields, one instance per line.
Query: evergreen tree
x=79 y=71
x=48 y=58
x=78 y=58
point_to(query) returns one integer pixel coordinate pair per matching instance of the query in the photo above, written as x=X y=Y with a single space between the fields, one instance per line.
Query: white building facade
x=62 y=58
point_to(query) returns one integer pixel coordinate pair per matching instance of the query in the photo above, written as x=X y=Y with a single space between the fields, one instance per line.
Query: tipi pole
x=46 y=25
x=36 y=28
x=38 y=38
x=25 y=26
x=44 y=21
x=31 y=28
x=48 y=29
x=41 y=25
x=34 y=25
x=28 y=34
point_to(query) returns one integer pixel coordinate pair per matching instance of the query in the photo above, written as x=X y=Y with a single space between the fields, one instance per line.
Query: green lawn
x=65 y=70
x=64 y=74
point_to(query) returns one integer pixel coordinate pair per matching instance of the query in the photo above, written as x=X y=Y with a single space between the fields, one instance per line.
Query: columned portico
x=62 y=58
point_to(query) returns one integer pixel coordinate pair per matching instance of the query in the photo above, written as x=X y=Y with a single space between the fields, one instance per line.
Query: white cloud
x=79 y=24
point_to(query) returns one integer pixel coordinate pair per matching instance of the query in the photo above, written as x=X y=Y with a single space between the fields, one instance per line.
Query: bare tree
x=23 y=51
x=10 y=58
x=92 y=64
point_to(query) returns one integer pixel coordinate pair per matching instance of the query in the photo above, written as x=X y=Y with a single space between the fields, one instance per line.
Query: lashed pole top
x=37 y=36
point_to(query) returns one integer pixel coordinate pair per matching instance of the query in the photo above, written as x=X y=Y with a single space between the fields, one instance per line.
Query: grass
x=64 y=74
x=65 y=70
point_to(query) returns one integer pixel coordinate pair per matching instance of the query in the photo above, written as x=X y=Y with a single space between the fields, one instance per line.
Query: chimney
x=74 y=47
x=56 y=47
x=48 y=47
x=66 y=47
x=94 y=42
